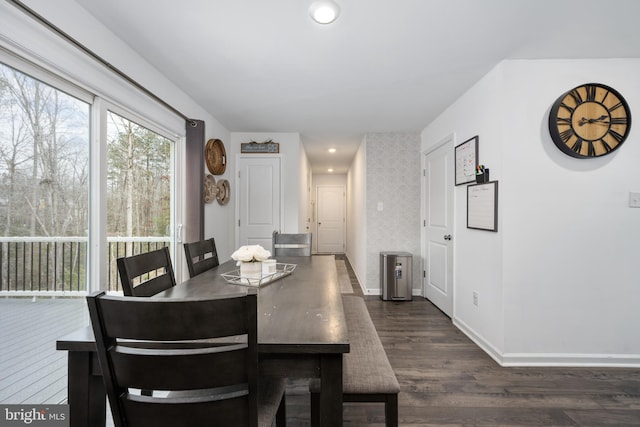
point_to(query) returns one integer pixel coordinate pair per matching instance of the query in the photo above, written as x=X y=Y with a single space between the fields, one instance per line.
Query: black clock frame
x=555 y=133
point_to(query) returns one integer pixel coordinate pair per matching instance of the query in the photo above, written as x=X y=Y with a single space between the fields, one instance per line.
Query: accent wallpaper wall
x=393 y=201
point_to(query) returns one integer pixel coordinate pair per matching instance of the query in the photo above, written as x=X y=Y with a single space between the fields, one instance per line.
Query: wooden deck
x=32 y=371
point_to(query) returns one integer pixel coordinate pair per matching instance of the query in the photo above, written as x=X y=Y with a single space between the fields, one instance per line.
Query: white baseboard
x=575 y=360
x=493 y=352
x=572 y=360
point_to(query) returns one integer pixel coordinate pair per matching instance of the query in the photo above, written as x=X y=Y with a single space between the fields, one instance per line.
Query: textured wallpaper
x=393 y=180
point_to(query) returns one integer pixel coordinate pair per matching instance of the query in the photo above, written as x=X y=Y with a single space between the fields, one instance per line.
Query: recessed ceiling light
x=329 y=170
x=332 y=150
x=324 y=12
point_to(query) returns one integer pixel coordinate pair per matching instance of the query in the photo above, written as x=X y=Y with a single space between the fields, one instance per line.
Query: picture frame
x=466 y=161
x=482 y=206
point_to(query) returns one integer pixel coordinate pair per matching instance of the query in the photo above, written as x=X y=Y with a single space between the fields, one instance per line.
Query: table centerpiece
x=249 y=258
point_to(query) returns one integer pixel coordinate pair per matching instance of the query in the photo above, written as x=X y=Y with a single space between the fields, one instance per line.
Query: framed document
x=466 y=161
x=482 y=206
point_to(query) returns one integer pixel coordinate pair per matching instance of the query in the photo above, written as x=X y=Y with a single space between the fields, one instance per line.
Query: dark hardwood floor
x=446 y=380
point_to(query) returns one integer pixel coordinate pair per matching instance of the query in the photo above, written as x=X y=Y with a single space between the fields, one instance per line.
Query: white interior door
x=331 y=219
x=438 y=208
x=259 y=200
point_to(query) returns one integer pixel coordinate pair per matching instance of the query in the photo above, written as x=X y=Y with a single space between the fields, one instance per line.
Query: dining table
x=301 y=334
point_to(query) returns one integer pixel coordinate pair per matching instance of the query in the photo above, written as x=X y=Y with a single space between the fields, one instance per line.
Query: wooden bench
x=367 y=374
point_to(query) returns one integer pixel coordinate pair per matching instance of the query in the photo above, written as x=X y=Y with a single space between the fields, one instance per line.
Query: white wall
x=305 y=190
x=385 y=172
x=558 y=283
x=356 y=213
x=393 y=201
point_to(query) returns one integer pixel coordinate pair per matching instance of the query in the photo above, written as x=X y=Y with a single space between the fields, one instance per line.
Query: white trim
x=40 y=73
x=485 y=345
x=583 y=360
x=571 y=360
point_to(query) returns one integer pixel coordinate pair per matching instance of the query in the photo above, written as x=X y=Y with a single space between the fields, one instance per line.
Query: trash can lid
x=396 y=253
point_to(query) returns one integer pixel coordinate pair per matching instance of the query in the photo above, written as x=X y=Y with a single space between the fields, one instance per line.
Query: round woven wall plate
x=224 y=192
x=215 y=156
x=210 y=189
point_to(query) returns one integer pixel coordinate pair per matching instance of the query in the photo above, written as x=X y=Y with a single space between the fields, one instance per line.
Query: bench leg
x=391 y=410
x=281 y=415
x=315 y=409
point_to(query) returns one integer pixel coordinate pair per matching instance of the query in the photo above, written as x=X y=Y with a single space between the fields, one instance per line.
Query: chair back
x=201 y=256
x=174 y=345
x=146 y=274
x=291 y=244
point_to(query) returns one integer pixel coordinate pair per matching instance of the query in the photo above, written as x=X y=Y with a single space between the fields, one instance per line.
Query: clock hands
x=600 y=119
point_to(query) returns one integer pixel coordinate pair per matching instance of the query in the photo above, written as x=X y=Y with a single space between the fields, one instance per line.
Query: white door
x=331 y=218
x=258 y=200
x=438 y=208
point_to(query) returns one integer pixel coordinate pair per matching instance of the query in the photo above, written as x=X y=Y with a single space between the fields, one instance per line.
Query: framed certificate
x=482 y=206
x=466 y=161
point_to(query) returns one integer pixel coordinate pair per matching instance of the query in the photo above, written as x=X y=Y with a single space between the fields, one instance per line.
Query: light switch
x=380 y=206
x=634 y=200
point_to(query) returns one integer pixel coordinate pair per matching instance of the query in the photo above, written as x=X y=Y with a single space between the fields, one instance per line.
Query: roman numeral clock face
x=591 y=120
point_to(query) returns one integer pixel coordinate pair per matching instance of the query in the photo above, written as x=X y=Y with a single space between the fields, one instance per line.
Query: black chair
x=146 y=274
x=291 y=244
x=173 y=345
x=201 y=256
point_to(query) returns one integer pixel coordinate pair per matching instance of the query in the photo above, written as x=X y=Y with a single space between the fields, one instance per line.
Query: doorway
x=330 y=235
x=259 y=200
x=438 y=191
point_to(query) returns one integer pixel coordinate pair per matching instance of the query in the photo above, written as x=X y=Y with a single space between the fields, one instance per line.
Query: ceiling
x=383 y=66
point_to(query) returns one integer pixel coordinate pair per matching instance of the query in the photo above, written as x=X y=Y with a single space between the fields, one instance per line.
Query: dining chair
x=174 y=347
x=291 y=244
x=201 y=256
x=146 y=274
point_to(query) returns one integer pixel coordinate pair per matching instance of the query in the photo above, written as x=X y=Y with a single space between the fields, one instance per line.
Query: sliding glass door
x=139 y=190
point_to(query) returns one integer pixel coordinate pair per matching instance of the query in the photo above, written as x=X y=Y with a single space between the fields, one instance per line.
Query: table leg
x=331 y=390
x=86 y=395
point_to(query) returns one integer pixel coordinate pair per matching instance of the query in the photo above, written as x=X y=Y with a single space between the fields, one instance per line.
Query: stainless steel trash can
x=396 y=278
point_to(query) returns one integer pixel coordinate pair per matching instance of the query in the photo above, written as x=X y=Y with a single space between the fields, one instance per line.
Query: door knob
x=447 y=237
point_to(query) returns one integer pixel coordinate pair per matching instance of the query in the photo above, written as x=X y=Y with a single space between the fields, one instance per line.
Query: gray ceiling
x=383 y=66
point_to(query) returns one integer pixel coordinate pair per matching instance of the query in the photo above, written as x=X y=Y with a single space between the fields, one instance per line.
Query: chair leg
x=281 y=415
x=391 y=410
x=315 y=409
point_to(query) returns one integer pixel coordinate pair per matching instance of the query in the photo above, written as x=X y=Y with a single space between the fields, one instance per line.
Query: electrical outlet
x=634 y=199
x=475 y=298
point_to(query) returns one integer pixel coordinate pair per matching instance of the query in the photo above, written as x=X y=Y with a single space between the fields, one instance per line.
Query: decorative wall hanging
x=210 y=189
x=220 y=191
x=215 y=156
x=466 y=161
x=590 y=120
x=224 y=192
x=260 y=147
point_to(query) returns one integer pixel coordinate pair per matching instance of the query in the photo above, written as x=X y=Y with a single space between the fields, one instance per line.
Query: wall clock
x=589 y=121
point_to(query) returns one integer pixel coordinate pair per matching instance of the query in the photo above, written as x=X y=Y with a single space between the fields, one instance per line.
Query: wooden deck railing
x=59 y=264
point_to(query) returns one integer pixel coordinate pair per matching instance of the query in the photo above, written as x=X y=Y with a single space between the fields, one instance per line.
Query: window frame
x=97 y=248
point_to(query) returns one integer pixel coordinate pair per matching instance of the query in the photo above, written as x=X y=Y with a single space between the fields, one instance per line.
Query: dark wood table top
x=299 y=313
